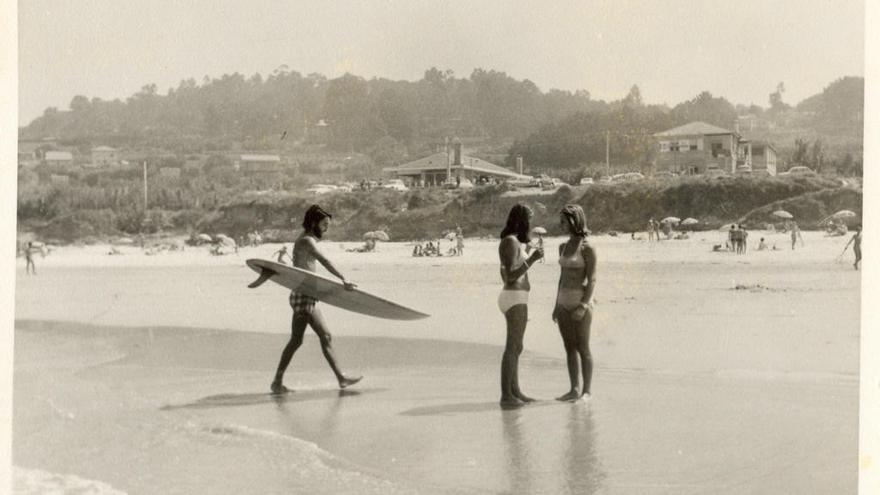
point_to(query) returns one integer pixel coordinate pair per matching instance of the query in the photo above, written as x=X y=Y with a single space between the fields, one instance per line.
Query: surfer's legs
x=318 y=324
x=297 y=330
x=516 y=318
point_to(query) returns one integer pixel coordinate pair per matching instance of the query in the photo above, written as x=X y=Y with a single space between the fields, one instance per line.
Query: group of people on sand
x=573 y=311
x=737 y=239
x=433 y=248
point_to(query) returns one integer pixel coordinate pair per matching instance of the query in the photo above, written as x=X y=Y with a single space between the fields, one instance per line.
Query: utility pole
x=145 y=187
x=607 y=152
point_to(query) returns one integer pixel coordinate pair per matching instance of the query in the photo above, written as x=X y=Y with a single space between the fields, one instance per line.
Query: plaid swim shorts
x=302 y=303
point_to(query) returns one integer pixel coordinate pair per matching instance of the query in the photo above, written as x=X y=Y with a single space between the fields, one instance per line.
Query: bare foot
x=279 y=389
x=347 y=382
x=523 y=397
x=510 y=402
x=571 y=396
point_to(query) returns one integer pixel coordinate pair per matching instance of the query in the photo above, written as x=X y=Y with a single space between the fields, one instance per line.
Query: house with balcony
x=697 y=148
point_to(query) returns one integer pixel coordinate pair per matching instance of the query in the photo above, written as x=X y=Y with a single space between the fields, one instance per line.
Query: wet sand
x=700 y=387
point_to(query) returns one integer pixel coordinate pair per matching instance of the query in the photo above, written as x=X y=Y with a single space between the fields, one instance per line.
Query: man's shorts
x=301 y=303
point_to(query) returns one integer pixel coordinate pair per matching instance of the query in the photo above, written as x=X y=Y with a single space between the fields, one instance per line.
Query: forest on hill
x=552 y=130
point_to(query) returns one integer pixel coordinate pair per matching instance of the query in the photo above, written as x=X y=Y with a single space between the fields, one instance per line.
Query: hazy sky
x=672 y=49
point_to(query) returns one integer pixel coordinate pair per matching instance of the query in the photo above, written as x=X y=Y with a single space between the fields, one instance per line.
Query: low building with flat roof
x=435 y=169
x=253 y=163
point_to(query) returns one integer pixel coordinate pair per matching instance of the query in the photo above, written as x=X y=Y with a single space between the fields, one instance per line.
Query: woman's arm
x=507 y=252
x=589 y=253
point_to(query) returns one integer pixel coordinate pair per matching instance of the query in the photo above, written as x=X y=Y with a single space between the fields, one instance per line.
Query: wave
x=37 y=481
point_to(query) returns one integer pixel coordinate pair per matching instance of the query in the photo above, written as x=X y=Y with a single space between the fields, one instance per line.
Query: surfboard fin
x=265 y=274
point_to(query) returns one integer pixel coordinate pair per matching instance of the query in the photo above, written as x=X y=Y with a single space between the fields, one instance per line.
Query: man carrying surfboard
x=306 y=255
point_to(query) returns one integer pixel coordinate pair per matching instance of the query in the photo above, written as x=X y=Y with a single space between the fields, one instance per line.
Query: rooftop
x=59 y=155
x=694 y=129
x=260 y=158
x=437 y=161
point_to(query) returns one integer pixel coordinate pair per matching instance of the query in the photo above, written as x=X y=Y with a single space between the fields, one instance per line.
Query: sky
x=671 y=49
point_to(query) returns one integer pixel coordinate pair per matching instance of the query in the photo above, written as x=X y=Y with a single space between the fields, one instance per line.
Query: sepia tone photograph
x=373 y=247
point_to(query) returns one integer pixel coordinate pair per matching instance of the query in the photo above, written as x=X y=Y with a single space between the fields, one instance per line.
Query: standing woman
x=574 y=301
x=514 y=298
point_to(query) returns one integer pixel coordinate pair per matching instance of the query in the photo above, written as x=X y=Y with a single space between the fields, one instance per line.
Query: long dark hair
x=518 y=223
x=312 y=218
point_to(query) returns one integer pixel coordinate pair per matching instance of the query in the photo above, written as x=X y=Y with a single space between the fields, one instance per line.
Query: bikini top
x=576 y=260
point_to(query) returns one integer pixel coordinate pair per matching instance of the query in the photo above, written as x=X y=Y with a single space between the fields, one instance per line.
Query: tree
x=776 y=103
x=801 y=147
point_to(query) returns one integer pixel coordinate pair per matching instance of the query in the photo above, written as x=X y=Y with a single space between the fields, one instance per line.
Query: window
x=673 y=146
x=757 y=151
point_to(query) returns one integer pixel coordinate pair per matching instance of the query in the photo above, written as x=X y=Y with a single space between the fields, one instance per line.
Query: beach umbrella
x=540 y=230
x=690 y=221
x=670 y=220
x=377 y=235
x=844 y=214
x=782 y=214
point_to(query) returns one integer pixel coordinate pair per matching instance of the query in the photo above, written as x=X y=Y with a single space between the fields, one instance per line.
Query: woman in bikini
x=574 y=300
x=514 y=298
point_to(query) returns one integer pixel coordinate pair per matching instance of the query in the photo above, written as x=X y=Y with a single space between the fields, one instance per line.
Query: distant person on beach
x=459 y=241
x=305 y=310
x=282 y=256
x=795 y=235
x=574 y=300
x=731 y=238
x=30 y=266
x=856 y=241
x=651 y=230
x=514 y=298
x=743 y=240
x=762 y=246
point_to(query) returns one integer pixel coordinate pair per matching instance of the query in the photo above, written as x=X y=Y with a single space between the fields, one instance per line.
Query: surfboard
x=330 y=291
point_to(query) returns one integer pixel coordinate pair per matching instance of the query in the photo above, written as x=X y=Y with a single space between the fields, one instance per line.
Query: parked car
x=395 y=184
x=665 y=175
x=321 y=189
x=627 y=177
x=585 y=181
x=550 y=183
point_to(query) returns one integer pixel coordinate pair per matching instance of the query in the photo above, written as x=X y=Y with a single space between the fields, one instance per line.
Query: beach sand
x=716 y=373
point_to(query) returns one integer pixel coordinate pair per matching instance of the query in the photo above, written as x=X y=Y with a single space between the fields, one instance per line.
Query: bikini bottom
x=510 y=298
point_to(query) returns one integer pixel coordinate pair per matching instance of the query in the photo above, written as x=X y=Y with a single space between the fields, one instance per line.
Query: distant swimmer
x=305 y=310
x=514 y=298
x=573 y=311
x=856 y=241
x=30 y=266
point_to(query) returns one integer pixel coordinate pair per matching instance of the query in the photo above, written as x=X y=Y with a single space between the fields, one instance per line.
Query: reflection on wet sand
x=553 y=460
x=583 y=473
